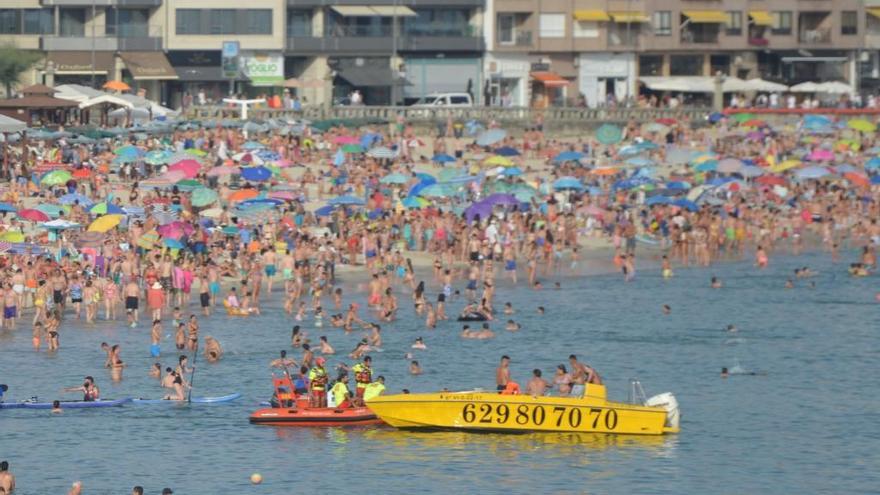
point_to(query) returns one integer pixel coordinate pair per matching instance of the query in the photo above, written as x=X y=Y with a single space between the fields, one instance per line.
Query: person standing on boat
x=363 y=376
x=318 y=384
x=502 y=373
x=581 y=374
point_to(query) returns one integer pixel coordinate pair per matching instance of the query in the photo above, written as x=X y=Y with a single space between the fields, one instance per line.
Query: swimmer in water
x=512 y=326
x=724 y=373
x=324 y=346
x=156 y=371
x=419 y=344
x=540 y=310
x=666 y=309
x=716 y=283
x=666 y=267
x=508 y=308
x=56 y=407
x=731 y=328
x=213 y=351
x=415 y=368
x=789 y=284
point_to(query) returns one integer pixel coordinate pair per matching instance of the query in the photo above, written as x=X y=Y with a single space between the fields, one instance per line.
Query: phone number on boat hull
x=525 y=415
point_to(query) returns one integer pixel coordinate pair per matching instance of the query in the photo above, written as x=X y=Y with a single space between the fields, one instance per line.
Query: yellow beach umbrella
x=105 y=223
x=12 y=236
x=862 y=125
x=498 y=161
x=786 y=165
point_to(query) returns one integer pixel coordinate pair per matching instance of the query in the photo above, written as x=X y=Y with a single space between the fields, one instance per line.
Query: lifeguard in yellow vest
x=318 y=384
x=363 y=376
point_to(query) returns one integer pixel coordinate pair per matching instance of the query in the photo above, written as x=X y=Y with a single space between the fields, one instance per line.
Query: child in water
x=666 y=267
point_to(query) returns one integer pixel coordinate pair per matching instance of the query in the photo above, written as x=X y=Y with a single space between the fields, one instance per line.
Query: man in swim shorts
x=502 y=373
x=132 y=302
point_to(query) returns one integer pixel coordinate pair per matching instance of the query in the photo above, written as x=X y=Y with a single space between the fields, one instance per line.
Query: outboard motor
x=668 y=402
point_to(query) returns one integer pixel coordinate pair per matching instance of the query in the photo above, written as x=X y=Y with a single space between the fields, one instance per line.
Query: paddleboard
x=195 y=400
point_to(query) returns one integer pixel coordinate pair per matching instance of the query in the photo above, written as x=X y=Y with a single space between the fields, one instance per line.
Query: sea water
x=806 y=423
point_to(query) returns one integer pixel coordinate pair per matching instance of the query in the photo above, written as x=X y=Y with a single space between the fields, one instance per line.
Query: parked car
x=445 y=100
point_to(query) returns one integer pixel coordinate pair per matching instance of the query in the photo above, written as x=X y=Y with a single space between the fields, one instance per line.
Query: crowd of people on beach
x=244 y=215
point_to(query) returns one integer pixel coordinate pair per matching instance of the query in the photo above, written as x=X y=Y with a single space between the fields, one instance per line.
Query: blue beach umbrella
x=442 y=158
x=490 y=137
x=256 y=174
x=69 y=199
x=873 y=163
x=568 y=156
x=346 y=200
x=506 y=151
x=564 y=183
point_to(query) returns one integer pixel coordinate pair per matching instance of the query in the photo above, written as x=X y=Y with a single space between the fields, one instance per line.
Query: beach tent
x=8 y=124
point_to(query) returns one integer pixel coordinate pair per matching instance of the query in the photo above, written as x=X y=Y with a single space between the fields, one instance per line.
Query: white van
x=445 y=100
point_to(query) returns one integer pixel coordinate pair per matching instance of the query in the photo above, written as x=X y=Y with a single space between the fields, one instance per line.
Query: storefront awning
x=70 y=63
x=367 y=77
x=202 y=74
x=628 y=16
x=353 y=10
x=394 y=11
x=591 y=15
x=148 y=65
x=874 y=12
x=706 y=16
x=550 y=79
x=761 y=18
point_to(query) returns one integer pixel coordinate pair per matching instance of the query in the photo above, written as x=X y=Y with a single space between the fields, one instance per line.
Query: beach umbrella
x=873 y=163
x=256 y=174
x=604 y=171
x=862 y=125
x=211 y=213
x=352 y=148
x=413 y=202
x=499 y=161
x=857 y=179
x=116 y=86
x=346 y=140
x=222 y=170
x=844 y=168
x=54 y=211
x=175 y=230
x=813 y=172
x=750 y=171
x=165 y=216
x=283 y=195
x=172 y=243
x=12 y=236
x=128 y=150
x=382 y=153
x=55 y=178
x=69 y=199
x=678 y=185
x=148 y=240
x=259 y=203
x=325 y=211
x=104 y=223
x=729 y=166
x=190 y=168
x=567 y=183
x=656 y=127
x=442 y=158
x=346 y=200
x=156 y=183
x=507 y=151
x=104 y=208
x=81 y=173
x=821 y=155
x=195 y=152
x=480 y=208
x=568 y=156
x=771 y=180
x=511 y=172
x=490 y=137
x=7 y=208
x=395 y=178
x=707 y=166
x=686 y=204
x=640 y=161
x=785 y=165
x=203 y=196
x=742 y=117
x=252 y=145
x=188 y=185
x=173 y=176
x=503 y=199
x=875 y=180
x=33 y=215
x=435 y=191
x=609 y=134
x=157 y=157
x=658 y=200
x=59 y=224
x=242 y=195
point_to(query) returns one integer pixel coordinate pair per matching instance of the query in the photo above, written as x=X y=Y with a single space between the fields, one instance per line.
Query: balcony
x=383 y=44
x=101 y=3
x=621 y=39
x=691 y=37
x=123 y=38
x=814 y=36
x=517 y=38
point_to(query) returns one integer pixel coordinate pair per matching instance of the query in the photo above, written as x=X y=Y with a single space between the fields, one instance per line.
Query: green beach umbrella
x=353 y=148
x=55 y=177
x=53 y=211
x=609 y=134
x=195 y=152
x=158 y=157
x=203 y=196
x=394 y=179
x=742 y=117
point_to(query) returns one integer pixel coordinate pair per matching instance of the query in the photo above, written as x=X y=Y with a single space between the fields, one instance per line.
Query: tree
x=14 y=61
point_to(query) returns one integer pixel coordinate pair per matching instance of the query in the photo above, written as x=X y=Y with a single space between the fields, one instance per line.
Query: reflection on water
x=744 y=434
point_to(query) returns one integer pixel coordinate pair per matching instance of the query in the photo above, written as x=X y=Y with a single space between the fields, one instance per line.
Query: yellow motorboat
x=491 y=411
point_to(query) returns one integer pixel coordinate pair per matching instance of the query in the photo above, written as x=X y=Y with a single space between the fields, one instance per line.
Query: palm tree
x=14 y=61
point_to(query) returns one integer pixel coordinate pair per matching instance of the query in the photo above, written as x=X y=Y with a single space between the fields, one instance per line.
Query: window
x=127 y=23
x=10 y=21
x=686 y=65
x=849 y=22
x=650 y=65
x=734 y=23
x=552 y=25
x=662 y=23
x=459 y=100
x=506 y=29
x=224 y=21
x=586 y=29
x=299 y=23
x=72 y=22
x=189 y=21
x=39 y=21
x=781 y=22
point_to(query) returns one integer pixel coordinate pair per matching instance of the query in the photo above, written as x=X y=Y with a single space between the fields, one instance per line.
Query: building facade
x=503 y=52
